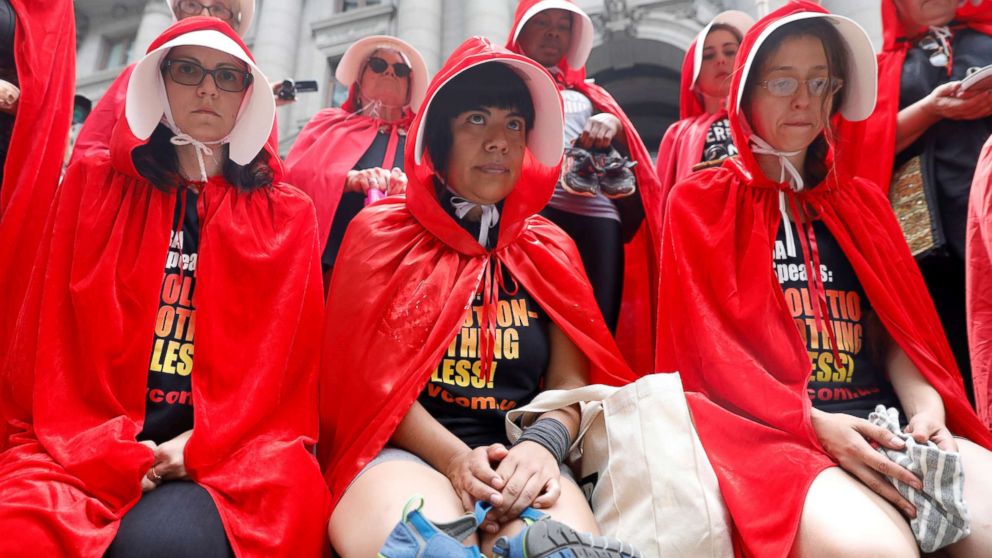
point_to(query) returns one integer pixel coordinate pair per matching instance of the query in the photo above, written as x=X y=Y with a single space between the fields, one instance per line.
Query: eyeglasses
x=787 y=86
x=378 y=65
x=185 y=72
x=936 y=51
x=192 y=8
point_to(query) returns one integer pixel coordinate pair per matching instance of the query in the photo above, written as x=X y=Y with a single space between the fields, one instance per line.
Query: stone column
x=487 y=18
x=155 y=19
x=418 y=22
x=277 y=30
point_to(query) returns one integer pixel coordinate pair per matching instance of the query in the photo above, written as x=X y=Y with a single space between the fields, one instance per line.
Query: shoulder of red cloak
x=689 y=103
x=327 y=148
x=978 y=290
x=94 y=136
x=681 y=149
x=859 y=216
x=45 y=54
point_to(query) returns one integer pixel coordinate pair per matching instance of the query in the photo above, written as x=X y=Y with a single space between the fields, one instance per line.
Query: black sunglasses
x=186 y=72
x=378 y=65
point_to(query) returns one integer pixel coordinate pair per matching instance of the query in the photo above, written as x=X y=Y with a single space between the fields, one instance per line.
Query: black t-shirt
x=169 y=397
x=860 y=383
x=719 y=143
x=456 y=395
x=950 y=148
x=353 y=202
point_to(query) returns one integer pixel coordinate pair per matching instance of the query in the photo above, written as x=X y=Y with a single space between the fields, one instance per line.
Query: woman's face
x=547 y=36
x=205 y=111
x=227 y=10
x=927 y=12
x=719 y=53
x=487 y=153
x=385 y=87
x=792 y=122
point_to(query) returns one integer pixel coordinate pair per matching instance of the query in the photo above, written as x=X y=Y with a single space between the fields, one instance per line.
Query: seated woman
x=779 y=407
x=344 y=153
x=128 y=452
x=701 y=138
x=453 y=305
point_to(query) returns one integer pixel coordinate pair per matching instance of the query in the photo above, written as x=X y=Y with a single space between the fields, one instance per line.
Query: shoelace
x=199 y=147
x=489 y=219
x=807 y=240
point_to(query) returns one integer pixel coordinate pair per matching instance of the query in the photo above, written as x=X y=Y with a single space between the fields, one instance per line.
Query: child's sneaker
x=416 y=537
x=550 y=539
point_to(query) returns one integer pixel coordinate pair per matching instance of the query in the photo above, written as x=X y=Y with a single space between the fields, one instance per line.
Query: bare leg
x=977 y=463
x=842 y=518
x=373 y=504
x=572 y=509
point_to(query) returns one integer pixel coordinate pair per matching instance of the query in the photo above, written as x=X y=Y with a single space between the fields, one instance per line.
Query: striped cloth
x=941 y=513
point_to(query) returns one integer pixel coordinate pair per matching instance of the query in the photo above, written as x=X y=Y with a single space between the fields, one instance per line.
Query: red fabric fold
x=45 y=54
x=84 y=343
x=637 y=315
x=407 y=273
x=725 y=326
x=978 y=260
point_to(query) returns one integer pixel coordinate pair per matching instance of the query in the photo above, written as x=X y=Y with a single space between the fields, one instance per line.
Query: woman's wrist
x=551 y=434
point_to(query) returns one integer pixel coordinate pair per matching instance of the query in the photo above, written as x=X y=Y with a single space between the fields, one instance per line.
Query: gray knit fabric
x=941 y=513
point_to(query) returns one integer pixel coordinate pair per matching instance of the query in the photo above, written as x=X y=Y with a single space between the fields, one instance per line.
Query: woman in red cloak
x=123 y=448
x=925 y=127
x=94 y=137
x=702 y=137
x=616 y=238
x=38 y=57
x=345 y=152
x=453 y=305
x=738 y=246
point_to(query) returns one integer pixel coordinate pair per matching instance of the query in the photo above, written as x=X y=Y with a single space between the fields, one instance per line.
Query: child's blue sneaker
x=550 y=539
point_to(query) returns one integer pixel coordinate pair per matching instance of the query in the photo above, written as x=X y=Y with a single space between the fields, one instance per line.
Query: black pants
x=601 y=249
x=944 y=275
x=175 y=520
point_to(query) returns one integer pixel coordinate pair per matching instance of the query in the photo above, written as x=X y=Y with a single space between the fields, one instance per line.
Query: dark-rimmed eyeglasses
x=186 y=72
x=378 y=65
x=194 y=8
x=787 y=86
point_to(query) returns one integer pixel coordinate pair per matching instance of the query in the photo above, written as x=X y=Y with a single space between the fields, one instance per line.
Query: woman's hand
x=600 y=131
x=532 y=477
x=847 y=439
x=472 y=475
x=148 y=481
x=925 y=426
x=170 y=459
x=947 y=101
x=387 y=181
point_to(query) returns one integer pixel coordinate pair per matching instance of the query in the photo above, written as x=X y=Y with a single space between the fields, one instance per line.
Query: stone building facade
x=637 y=52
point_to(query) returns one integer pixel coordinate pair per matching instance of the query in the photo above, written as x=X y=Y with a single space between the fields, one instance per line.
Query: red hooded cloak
x=725 y=325
x=73 y=468
x=978 y=260
x=328 y=147
x=878 y=134
x=381 y=343
x=635 y=331
x=45 y=54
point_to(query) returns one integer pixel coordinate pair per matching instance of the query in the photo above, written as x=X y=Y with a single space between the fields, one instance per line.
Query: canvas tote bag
x=641 y=465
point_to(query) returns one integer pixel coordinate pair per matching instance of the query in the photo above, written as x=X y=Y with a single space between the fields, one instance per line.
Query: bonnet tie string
x=199 y=147
x=945 y=36
x=488 y=220
x=807 y=239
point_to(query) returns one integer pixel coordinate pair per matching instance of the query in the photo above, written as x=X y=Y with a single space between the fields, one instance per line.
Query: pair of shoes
x=417 y=537
x=586 y=173
x=547 y=538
